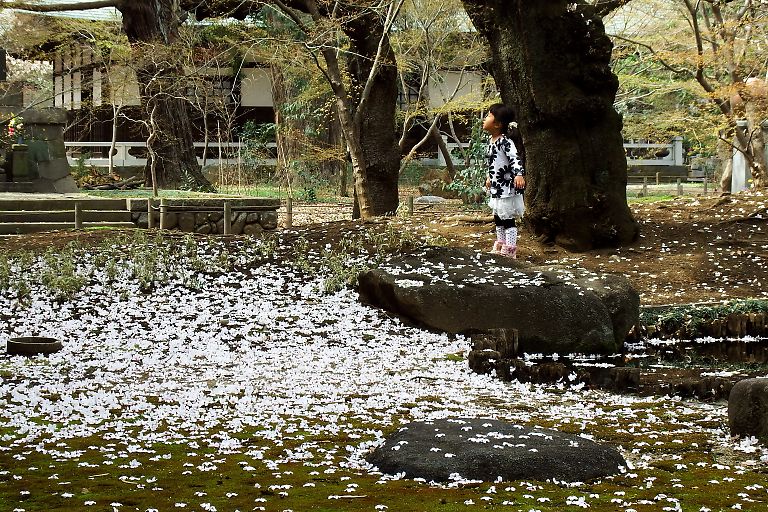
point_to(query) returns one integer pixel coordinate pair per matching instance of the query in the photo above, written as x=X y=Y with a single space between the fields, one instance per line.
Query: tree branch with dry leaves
x=70 y=6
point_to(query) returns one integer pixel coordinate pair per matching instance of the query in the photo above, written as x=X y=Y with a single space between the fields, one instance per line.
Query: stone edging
x=210 y=220
x=690 y=321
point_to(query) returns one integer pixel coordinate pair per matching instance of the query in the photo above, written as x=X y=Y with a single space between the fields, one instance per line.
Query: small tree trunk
x=206 y=138
x=755 y=118
x=443 y=148
x=115 y=115
x=725 y=155
x=726 y=179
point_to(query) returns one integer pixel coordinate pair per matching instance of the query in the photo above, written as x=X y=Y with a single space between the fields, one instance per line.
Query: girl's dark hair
x=505 y=115
x=502 y=114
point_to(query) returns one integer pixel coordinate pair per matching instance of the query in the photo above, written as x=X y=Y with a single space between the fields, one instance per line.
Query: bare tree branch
x=605 y=7
x=653 y=52
x=693 y=10
x=73 y=6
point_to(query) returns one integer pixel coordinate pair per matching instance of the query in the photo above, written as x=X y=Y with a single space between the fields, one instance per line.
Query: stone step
x=18 y=217
x=20 y=228
x=26 y=187
x=87 y=203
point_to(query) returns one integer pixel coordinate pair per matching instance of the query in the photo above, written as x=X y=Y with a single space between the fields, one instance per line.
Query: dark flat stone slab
x=485 y=449
x=555 y=309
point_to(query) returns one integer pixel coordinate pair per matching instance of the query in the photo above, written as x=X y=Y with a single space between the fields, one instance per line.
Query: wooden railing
x=130 y=154
x=638 y=153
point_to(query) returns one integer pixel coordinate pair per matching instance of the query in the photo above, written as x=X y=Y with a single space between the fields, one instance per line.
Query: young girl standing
x=506 y=179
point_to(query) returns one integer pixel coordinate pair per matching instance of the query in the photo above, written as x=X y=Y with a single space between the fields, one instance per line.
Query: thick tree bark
x=152 y=26
x=551 y=64
x=377 y=129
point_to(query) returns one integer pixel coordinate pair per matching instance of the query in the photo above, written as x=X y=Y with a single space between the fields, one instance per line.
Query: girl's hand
x=519 y=182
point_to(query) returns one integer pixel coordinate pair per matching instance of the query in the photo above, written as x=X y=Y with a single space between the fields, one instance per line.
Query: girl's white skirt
x=511 y=207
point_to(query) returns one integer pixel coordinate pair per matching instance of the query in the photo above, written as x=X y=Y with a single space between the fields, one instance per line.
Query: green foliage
x=60 y=275
x=265 y=248
x=412 y=174
x=301 y=256
x=310 y=180
x=342 y=265
x=692 y=318
x=15 y=270
x=143 y=262
x=470 y=180
x=82 y=173
x=5 y=271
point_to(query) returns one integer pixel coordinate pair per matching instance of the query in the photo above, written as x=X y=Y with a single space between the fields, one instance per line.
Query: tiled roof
x=103 y=14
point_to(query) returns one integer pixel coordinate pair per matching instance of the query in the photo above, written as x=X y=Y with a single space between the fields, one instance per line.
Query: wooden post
x=506 y=342
x=658 y=178
x=705 y=183
x=410 y=206
x=163 y=214
x=227 y=218
x=289 y=212
x=150 y=215
x=78 y=215
x=679 y=186
x=645 y=186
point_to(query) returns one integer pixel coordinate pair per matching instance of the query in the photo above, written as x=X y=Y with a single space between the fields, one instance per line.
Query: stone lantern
x=38 y=160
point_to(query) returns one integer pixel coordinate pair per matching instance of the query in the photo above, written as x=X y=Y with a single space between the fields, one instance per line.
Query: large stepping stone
x=483 y=449
x=555 y=309
x=748 y=408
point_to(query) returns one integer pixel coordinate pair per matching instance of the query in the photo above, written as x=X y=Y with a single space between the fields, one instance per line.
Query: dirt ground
x=691 y=249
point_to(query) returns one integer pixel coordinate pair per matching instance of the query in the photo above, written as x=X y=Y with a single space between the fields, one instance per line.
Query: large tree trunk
x=551 y=64
x=377 y=129
x=152 y=26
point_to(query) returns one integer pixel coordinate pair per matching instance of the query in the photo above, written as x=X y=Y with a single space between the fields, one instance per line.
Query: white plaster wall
x=256 y=88
x=470 y=87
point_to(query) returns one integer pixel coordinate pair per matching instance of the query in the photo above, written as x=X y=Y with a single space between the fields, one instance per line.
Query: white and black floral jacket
x=503 y=165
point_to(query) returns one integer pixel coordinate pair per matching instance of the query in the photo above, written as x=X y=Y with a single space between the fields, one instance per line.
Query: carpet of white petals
x=266 y=352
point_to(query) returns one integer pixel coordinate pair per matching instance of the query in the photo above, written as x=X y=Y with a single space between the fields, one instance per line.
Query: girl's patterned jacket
x=503 y=165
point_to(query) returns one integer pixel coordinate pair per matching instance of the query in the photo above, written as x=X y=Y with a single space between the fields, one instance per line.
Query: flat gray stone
x=555 y=309
x=484 y=449
x=65 y=185
x=429 y=199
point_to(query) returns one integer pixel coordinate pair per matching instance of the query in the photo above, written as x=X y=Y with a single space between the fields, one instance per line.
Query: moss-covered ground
x=198 y=380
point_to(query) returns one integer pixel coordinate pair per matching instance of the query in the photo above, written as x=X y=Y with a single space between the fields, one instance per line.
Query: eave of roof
x=103 y=14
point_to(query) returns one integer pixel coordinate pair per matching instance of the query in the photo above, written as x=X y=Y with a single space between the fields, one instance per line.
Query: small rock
x=429 y=200
x=748 y=408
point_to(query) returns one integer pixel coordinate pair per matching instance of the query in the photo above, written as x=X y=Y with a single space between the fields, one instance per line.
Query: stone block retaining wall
x=206 y=216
